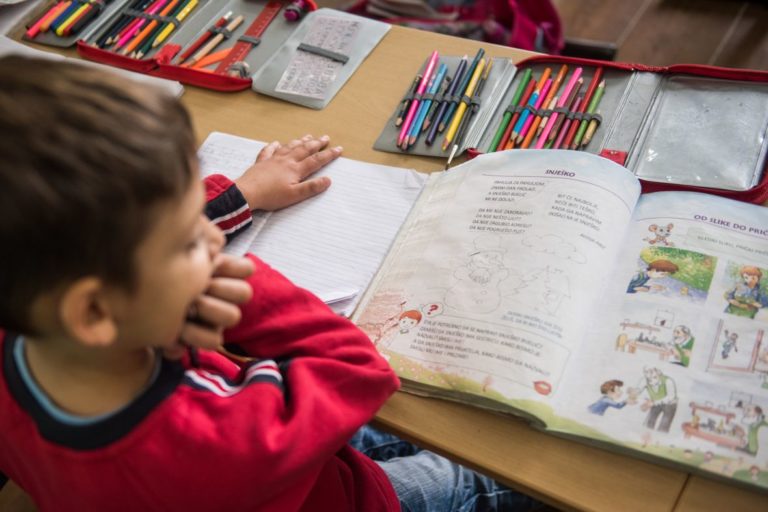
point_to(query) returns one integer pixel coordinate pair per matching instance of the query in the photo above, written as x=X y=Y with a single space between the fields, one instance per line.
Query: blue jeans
x=427 y=482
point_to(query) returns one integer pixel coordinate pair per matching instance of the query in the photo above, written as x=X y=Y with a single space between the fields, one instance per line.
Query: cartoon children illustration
x=745 y=299
x=682 y=345
x=729 y=343
x=408 y=320
x=611 y=390
x=661 y=393
x=754 y=419
x=657 y=269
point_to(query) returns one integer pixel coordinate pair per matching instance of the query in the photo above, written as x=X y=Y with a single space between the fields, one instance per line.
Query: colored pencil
x=431 y=64
x=213 y=43
x=578 y=142
x=563 y=99
x=452 y=89
x=426 y=104
x=112 y=34
x=540 y=83
x=463 y=126
x=529 y=133
x=63 y=6
x=436 y=103
x=203 y=38
x=508 y=113
x=460 y=90
x=507 y=142
x=462 y=108
x=552 y=92
x=596 y=77
x=170 y=27
x=93 y=11
x=557 y=128
x=63 y=27
x=47 y=17
x=537 y=104
x=64 y=15
x=567 y=123
x=149 y=29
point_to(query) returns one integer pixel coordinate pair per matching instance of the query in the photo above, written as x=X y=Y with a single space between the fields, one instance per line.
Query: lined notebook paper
x=333 y=243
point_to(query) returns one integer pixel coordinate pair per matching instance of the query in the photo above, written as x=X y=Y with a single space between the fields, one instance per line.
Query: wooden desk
x=564 y=473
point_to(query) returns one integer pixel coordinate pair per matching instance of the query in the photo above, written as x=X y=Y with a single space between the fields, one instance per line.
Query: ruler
x=251 y=36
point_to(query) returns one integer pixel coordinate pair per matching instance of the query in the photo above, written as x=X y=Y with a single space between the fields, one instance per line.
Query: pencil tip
x=450 y=157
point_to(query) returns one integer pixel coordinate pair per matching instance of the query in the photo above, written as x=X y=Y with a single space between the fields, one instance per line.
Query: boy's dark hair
x=610 y=385
x=86 y=158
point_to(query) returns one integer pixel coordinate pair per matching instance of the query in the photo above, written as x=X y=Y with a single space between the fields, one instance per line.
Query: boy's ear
x=86 y=313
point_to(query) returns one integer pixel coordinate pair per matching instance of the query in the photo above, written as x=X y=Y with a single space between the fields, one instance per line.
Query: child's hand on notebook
x=280 y=175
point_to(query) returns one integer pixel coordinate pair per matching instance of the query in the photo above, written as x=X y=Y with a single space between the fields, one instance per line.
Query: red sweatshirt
x=269 y=435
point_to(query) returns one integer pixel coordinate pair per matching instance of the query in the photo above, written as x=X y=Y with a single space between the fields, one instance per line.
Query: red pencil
x=503 y=143
x=203 y=38
x=41 y=25
x=584 y=103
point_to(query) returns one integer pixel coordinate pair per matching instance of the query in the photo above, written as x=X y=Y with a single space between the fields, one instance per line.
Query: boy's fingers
x=295 y=143
x=216 y=313
x=236 y=267
x=308 y=147
x=310 y=188
x=235 y=291
x=195 y=335
x=268 y=151
x=318 y=160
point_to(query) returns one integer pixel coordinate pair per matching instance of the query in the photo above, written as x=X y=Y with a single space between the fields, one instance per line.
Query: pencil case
x=681 y=127
x=256 y=44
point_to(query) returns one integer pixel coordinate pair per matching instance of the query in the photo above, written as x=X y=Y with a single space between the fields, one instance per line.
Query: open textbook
x=333 y=243
x=542 y=284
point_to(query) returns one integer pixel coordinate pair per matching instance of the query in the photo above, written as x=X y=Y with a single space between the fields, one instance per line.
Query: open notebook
x=333 y=243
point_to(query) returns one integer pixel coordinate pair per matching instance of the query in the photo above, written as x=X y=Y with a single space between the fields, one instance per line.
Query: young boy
x=110 y=273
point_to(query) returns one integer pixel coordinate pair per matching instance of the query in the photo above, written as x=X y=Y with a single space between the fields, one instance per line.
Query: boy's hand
x=216 y=309
x=278 y=178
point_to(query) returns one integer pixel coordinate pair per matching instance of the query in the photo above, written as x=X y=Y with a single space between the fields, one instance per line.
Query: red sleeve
x=272 y=439
x=226 y=207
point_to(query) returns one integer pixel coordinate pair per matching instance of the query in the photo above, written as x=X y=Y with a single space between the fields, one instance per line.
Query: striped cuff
x=226 y=207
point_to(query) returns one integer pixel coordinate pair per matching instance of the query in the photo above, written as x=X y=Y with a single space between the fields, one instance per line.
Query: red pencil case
x=681 y=127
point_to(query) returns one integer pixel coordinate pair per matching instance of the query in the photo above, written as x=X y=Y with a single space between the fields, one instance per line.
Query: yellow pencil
x=139 y=39
x=71 y=19
x=53 y=14
x=462 y=108
x=163 y=35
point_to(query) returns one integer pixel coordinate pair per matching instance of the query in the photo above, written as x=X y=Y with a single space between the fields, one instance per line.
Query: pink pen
x=563 y=99
x=415 y=102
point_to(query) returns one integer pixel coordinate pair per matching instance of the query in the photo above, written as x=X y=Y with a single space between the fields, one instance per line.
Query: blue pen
x=434 y=86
